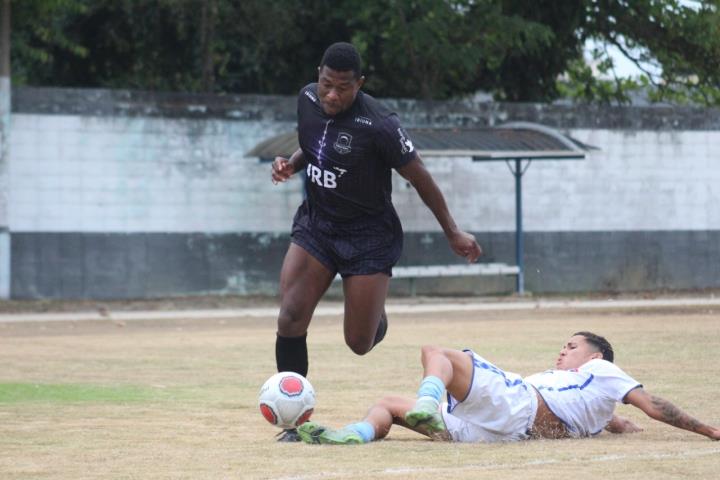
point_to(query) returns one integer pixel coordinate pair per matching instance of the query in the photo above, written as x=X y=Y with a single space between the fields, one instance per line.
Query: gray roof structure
x=505 y=142
x=512 y=142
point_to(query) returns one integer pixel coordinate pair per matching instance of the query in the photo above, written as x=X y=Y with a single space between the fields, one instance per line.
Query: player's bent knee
x=426 y=351
x=359 y=346
x=386 y=402
x=396 y=406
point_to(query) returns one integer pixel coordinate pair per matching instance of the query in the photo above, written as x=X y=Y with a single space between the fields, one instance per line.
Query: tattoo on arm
x=672 y=415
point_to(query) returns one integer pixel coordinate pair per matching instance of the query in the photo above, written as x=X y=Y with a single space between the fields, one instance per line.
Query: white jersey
x=499 y=407
x=584 y=398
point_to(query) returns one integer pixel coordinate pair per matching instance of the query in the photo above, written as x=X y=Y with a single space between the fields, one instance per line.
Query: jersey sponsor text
x=324 y=178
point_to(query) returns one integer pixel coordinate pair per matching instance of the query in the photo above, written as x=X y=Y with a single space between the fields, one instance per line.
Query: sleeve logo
x=406 y=145
x=310 y=95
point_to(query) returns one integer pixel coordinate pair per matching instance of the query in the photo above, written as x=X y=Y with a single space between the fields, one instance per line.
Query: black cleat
x=289 y=435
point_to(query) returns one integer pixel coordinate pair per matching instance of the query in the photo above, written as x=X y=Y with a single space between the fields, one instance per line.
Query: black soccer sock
x=291 y=354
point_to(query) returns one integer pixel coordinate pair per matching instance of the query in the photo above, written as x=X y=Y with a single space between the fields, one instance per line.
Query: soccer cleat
x=289 y=435
x=342 y=436
x=309 y=432
x=425 y=413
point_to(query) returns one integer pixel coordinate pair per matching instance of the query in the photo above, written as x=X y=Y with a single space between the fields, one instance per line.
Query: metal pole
x=518 y=173
x=4 y=155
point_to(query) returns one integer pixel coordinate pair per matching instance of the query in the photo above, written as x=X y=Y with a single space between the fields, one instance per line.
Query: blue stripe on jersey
x=579 y=387
x=452 y=402
x=569 y=387
x=496 y=370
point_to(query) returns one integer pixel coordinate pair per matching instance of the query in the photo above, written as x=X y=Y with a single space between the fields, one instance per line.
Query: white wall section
x=128 y=174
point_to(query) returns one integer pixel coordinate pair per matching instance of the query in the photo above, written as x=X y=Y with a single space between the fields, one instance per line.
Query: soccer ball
x=286 y=400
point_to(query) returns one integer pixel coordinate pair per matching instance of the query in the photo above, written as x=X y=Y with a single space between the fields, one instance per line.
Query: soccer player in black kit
x=349 y=143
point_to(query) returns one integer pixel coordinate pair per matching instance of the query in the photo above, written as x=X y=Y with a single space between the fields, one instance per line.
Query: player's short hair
x=600 y=343
x=343 y=57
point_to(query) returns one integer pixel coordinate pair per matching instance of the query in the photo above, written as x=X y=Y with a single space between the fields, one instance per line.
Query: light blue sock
x=364 y=429
x=432 y=387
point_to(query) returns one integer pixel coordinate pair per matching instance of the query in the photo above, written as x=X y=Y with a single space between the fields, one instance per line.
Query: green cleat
x=425 y=414
x=309 y=432
x=341 y=436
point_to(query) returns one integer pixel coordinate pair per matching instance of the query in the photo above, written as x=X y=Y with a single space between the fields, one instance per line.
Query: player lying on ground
x=486 y=404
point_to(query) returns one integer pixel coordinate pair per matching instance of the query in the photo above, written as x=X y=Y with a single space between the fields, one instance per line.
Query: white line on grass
x=338 y=309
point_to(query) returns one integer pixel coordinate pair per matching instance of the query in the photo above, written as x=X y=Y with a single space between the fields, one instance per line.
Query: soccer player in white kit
x=487 y=404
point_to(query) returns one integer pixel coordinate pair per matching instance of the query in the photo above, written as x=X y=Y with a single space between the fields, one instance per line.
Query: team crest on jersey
x=342 y=144
x=406 y=145
x=311 y=96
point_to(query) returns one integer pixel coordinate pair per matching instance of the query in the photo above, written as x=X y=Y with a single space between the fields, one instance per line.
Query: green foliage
x=676 y=45
x=542 y=37
x=518 y=50
x=274 y=47
x=129 y=44
x=421 y=49
x=39 y=31
x=432 y=49
x=580 y=83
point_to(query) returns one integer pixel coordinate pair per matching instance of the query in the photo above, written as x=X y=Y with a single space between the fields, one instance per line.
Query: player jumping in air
x=349 y=143
x=487 y=404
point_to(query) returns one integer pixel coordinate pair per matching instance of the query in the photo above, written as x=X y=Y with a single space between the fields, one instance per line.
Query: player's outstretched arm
x=622 y=425
x=284 y=168
x=462 y=243
x=664 y=411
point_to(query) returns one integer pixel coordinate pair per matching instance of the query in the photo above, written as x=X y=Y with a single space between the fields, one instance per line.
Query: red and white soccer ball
x=287 y=400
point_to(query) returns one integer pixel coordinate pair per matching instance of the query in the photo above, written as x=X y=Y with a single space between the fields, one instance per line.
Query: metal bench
x=434 y=271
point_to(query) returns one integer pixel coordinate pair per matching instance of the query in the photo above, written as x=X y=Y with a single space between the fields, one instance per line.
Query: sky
x=623 y=66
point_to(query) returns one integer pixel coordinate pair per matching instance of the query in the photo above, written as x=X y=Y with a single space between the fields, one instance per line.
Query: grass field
x=177 y=398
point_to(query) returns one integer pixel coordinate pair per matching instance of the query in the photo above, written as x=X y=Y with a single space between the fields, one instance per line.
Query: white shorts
x=499 y=407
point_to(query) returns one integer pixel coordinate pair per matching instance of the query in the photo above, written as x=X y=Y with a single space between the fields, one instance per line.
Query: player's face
x=337 y=90
x=576 y=352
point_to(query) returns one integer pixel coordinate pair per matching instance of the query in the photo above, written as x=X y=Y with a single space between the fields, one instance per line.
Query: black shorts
x=361 y=247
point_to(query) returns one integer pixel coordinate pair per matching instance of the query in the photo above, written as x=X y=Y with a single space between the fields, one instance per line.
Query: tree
x=514 y=49
x=275 y=47
x=39 y=32
x=680 y=40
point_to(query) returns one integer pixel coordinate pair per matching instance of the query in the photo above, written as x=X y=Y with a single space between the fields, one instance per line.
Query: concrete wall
x=117 y=194
x=4 y=175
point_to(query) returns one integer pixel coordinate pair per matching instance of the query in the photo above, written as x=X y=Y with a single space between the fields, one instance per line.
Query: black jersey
x=349 y=156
